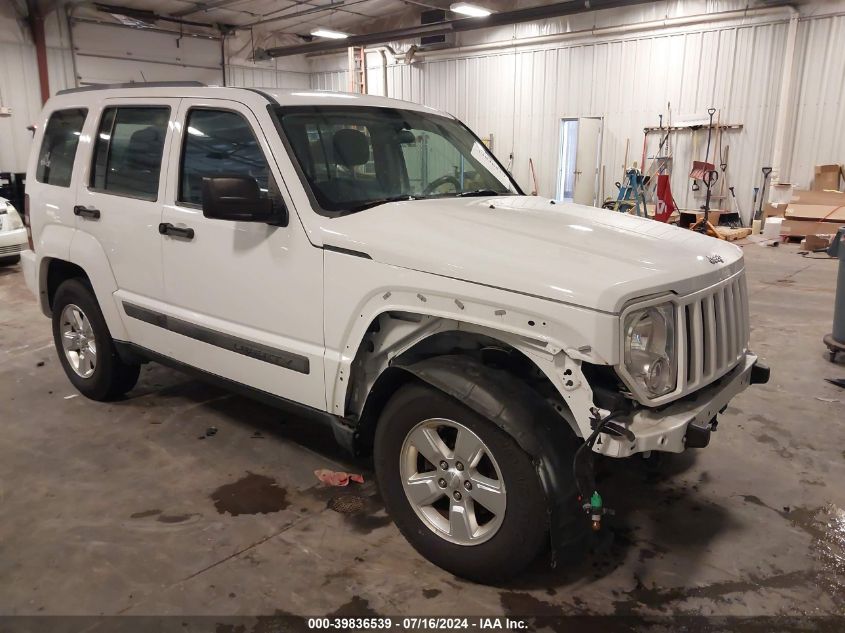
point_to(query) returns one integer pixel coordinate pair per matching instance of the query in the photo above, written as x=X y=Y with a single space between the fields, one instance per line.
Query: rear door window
x=220 y=143
x=58 y=149
x=128 y=151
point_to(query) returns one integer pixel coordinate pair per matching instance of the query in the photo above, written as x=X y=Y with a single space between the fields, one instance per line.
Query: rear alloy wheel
x=85 y=346
x=460 y=489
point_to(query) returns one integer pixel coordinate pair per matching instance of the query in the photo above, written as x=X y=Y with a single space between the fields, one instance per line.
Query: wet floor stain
x=754 y=500
x=363 y=513
x=524 y=604
x=826 y=526
x=653 y=597
x=252 y=494
x=163 y=518
x=144 y=514
x=431 y=593
x=356 y=607
x=174 y=518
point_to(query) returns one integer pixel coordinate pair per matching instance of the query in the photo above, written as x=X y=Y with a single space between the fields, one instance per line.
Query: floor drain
x=346 y=504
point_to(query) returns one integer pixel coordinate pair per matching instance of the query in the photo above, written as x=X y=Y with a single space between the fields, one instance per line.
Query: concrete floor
x=128 y=508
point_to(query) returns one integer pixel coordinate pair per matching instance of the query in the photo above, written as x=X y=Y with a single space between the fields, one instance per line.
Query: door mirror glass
x=239 y=198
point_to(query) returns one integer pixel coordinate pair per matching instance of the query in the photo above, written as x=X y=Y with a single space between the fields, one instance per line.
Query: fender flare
x=531 y=421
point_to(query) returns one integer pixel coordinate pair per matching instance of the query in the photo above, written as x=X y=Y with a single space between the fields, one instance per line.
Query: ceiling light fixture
x=472 y=10
x=332 y=35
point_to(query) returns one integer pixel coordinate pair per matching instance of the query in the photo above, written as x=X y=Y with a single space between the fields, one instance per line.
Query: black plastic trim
x=345 y=251
x=760 y=374
x=699 y=436
x=258 y=351
x=140 y=84
x=263 y=94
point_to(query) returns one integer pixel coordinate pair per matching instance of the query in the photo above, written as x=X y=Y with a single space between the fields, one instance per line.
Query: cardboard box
x=830 y=198
x=826 y=177
x=816 y=242
x=802 y=228
x=771 y=210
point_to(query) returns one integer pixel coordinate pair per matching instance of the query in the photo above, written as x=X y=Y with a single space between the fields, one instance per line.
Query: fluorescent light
x=472 y=10
x=334 y=35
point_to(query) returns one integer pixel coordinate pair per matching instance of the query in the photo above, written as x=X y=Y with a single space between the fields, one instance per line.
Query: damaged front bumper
x=686 y=423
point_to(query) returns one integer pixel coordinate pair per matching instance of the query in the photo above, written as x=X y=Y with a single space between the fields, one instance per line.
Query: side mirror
x=406 y=137
x=239 y=199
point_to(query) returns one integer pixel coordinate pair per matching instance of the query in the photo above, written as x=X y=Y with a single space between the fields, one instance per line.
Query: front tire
x=460 y=489
x=85 y=346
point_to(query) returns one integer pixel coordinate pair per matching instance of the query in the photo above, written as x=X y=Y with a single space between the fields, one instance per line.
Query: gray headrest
x=351 y=147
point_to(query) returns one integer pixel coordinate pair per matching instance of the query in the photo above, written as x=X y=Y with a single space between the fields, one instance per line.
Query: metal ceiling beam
x=503 y=18
x=201 y=7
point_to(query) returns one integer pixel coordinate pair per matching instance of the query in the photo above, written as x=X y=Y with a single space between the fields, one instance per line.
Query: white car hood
x=571 y=253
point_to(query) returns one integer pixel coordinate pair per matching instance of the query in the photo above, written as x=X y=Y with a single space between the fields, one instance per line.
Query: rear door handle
x=166 y=228
x=85 y=212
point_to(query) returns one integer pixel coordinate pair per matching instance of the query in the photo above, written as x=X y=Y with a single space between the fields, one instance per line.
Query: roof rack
x=136 y=84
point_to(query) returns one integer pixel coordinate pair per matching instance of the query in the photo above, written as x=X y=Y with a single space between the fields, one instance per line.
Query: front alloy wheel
x=452 y=481
x=460 y=489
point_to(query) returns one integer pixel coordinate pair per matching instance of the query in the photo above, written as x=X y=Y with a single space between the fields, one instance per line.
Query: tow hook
x=596 y=509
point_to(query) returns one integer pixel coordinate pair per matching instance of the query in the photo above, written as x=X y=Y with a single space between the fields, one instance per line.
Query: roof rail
x=136 y=84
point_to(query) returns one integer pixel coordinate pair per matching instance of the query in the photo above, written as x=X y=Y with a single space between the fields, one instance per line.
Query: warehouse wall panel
x=817 y=133
x=519 y=95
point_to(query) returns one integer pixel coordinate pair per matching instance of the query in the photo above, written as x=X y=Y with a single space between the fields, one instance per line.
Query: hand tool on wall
x=533 y=176
x=736 y=206
x=766 y=172
x=700 y=168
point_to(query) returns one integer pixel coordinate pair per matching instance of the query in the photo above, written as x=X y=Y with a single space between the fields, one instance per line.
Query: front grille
x=14 y=248
x=713 y=333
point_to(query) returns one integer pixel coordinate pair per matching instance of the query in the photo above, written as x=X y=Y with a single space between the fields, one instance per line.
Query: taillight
x=26 y=221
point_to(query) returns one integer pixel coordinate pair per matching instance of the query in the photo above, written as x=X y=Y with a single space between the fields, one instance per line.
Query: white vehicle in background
x=12 y=234
x=370 y=261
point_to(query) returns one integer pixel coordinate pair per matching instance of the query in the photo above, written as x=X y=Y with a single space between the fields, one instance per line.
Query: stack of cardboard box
x=817 y=211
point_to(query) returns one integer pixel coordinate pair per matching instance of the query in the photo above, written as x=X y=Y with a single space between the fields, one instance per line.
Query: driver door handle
x=166 y=228
x=85 y=212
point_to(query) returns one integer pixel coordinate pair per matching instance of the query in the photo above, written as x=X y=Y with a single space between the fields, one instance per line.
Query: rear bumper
x=686 y=423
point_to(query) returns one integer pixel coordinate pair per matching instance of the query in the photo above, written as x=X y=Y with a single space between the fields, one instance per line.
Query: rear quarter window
x=58 y=148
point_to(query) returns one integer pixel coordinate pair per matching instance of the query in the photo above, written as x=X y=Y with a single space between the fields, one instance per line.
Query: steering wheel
x=439 y=182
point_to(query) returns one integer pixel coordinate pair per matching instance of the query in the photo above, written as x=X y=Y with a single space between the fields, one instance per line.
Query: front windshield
x=354 y=158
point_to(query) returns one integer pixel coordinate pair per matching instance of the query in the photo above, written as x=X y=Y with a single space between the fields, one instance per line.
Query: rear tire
x=85 y=346
x=504 y=538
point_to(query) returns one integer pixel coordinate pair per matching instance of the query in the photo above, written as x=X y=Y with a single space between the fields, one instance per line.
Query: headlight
x=650 y=348
x=14 y=220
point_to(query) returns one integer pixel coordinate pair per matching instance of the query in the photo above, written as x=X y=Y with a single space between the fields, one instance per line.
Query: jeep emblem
x=715 y=259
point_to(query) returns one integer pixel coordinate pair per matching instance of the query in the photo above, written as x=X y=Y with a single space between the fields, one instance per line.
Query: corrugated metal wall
x=519 y=96
x=817 y=134
x=109 y=54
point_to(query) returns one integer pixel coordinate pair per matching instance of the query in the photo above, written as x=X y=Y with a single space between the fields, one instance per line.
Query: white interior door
x=587 y=160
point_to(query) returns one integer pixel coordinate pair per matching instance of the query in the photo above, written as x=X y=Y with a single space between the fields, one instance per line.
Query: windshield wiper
x=477 y=192
x=374 y=203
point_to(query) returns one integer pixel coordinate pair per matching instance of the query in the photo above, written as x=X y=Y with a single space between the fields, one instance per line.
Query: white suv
x=372 y=262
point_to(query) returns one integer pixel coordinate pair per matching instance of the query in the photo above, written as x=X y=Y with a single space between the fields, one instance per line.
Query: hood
x=571 y=253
